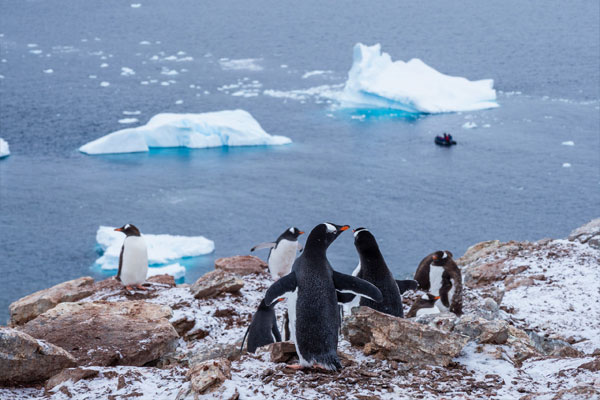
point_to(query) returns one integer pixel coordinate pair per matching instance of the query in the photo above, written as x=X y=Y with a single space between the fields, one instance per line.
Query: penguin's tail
x=244 y=339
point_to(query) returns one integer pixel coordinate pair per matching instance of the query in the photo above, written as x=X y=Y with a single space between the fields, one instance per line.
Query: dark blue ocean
x=506 y=179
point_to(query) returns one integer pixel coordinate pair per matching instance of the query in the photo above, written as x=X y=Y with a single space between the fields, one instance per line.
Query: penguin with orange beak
x=133 y=260
x=283 y=252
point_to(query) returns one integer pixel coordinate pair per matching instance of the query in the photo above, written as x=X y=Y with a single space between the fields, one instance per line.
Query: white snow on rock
x=375 y=81
x=4 y=149
x=161 y=248
x=248 y=64
x=213 y=129
x=176 y=270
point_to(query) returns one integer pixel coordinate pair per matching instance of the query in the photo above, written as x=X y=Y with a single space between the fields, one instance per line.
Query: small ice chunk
x=248 y=64
x=177 y=271
x=103 y=65
x=145 y=43
x=4 y=149
x=125 y=71
x=165 y=83
x=35 y=51
x=283 y=66
x=32 y=45
x=49 y=71
x=136 y=112
x=315 y=73
x=104 y=84
x=568 y=143
x=566 y=165
x=179 y=102
x=469 y=125
x=128 y=120
x=136 y=5
x=212 y=129
x=167 y=71
x=144 y=82
x=93 y=76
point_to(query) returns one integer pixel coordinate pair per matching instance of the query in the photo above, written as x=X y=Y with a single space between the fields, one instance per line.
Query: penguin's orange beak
x=345 y=227
x=281 y=299
x=301 y=233
x=436 y=298
x=434 y=257
x=119 y=230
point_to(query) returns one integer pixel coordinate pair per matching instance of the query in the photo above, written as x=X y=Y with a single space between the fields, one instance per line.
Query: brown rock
x=230 y=351
x=70 y=374
x=477 y=251
x=107 y=333
x=282 y=351
x=214 y=283
x=593 y=365
x=484 y=274
x=482 y=330
x=24 y=359
x=31 y=306
x=400 y=339
x=208 y=376
x=588 y=233
x=241 y=265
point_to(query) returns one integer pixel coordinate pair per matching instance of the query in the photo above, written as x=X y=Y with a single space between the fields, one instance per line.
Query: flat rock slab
x=24 y=359
x=241 y=265
x=107 y=333
x=214 y=283
x=70 y=374
x=37 y=303
x=399 y=339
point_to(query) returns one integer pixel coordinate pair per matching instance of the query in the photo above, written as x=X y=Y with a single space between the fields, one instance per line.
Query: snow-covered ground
x=161 y=248
x=4 y=149
x=213 y=129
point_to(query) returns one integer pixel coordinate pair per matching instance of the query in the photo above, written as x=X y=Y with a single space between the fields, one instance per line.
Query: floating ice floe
x=568 y=143
x=4 y=149
x=315 y=73
x=213 y=129
x=249 y=64
x=377 y=82
x=49 y=71
x=125 y=71
x=162 y=249
x=128 y=120
x=136 y=5
x=566 y=165
x=177 y=271
x=469 y=125
x=105 y=84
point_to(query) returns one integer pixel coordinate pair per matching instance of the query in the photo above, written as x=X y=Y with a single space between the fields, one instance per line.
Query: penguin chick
x=133 y=260
x=263 y=328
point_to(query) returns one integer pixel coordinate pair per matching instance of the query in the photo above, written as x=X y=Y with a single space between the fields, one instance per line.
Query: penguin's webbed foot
x=139 y=286
x=129 y=287
x=296 y=367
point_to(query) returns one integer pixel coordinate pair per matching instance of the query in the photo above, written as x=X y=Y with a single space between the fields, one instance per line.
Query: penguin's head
x=129 y=230
x=264 y=307
x=440 y=258
x=364 y=240
x=291 y=234
x=429 y=298
x=326 y=233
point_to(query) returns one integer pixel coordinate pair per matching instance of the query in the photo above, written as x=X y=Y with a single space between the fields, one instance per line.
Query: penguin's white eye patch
x=330 y=228
x=445 y=255
x=425 y=297
x=127 y=226
x=359 y=231
x=292 y=230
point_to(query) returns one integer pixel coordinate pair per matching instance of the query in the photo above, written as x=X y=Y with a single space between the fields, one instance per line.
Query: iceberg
x=195 y=131
x=162 y=249
x=377 y=82
x=4 y=150
x=177 y=271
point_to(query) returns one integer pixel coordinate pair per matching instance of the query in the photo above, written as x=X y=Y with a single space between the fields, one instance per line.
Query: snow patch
x=213 y=129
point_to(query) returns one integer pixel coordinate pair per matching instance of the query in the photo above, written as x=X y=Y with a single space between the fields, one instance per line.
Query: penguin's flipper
x=120 y=262
x=351 y=284
x=266 y=245
x=408 y=284
x=244 y=339
x=283 y=285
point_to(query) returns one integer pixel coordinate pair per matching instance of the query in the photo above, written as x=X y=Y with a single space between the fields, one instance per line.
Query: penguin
x=423 y=306
x=282 y=253
x=312 y=288
x=133 y=260
x=373 y=269
x=263 y=328
x=438 y=274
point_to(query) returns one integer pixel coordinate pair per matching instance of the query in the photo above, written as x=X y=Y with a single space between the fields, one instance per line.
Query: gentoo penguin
x=263 y=328
x=133 y=261
x=423 y=306
x=283 y=252
x=312 y=288
x=373 y=269
x=438 y=274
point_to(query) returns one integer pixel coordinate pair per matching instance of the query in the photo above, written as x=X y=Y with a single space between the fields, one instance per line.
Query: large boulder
x=107 y=333
x=31 y=306
x=588 y=233
x=241 y=265
x=482 y=330
x=399 y=339
x=214 y=283
x=24 y=359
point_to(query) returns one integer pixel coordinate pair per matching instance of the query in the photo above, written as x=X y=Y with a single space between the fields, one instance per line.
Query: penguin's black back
x=261 y=330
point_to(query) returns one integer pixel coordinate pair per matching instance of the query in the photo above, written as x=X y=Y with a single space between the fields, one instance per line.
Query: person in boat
x=446 y=137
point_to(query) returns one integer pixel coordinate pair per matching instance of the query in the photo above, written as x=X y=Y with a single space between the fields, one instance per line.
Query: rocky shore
x=531 y=330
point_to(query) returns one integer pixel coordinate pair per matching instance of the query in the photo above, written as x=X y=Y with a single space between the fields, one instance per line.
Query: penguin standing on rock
x=283 y=252
x=133 y=260
x=438 y=274
x=263 y=328
x=373 y=269
x=312 y=288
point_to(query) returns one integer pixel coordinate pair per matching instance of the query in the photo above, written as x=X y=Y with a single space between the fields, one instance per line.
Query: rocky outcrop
x=215 y=283
x=70 y=374
x=31 y=306
x=107 y=333
x=24 y=359
x=400 y=339
x=241 y=265
x=482 y=330
x=588 y=234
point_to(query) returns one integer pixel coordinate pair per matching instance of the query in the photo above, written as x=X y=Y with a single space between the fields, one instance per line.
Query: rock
x=444 y=321
x=400 y=339
x=208 y=376
x=490 y=305
x=70 y=374
x=282 y=351
x=241 y=265
x=513 y=282
x=521 y=345
x=107 y=333
x=31 y=306
x=111 y=286
x=214 y=283
x=552 y=347
x=24 y=359
x=593 y=365
x=230 y=351
x=588 y=233
x=484 y=274
x=482 y=330
x=477 y=251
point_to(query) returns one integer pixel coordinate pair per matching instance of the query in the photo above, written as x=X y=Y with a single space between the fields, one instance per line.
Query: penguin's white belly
x=426 y=311
x=282 y=258
x=441 y=305
x=435 y=279
x=135 y=261
x=292 y=297
x=356 y=301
